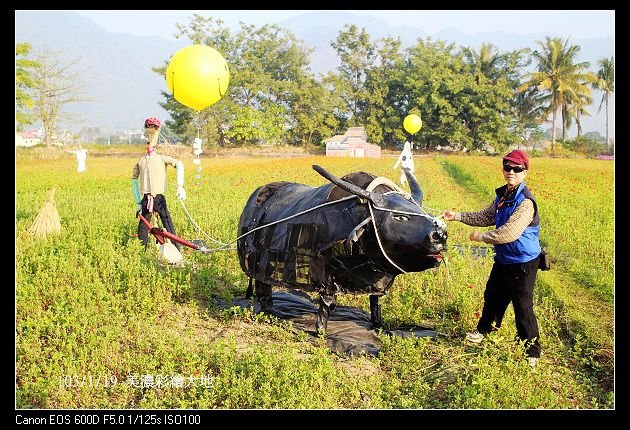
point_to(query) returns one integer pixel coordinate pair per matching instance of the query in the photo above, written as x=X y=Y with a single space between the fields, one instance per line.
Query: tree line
x=468 y=98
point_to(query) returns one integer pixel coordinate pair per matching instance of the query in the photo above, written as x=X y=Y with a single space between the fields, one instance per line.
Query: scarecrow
x=81 y=157
x=148 y=182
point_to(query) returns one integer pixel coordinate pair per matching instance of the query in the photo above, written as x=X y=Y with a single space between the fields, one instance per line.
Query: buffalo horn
x=344 y=185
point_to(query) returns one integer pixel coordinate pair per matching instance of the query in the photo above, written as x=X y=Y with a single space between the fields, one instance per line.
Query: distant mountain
x=319 y=29
x=118 y=66
x=127 y=90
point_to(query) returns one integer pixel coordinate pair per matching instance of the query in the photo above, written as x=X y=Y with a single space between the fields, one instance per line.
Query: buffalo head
x=402 y=237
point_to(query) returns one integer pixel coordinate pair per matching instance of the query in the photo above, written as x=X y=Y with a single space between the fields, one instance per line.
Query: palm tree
x=529 y=109
x=606 y=83
x=485 y=62
x=575 y=107
x=558 y=74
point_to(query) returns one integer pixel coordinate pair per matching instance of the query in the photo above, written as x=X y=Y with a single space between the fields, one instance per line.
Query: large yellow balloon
x=412 y=123
x=198 y=76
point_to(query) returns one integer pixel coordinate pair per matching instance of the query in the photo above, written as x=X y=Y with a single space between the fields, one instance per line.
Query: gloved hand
x=181 y=193
x=139 y=209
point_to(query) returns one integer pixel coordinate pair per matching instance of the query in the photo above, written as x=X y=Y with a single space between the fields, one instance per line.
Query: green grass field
x=100 y=323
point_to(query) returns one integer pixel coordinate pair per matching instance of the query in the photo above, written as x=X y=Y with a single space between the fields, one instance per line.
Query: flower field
x=100 y=323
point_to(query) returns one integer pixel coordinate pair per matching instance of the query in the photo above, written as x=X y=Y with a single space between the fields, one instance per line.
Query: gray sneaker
x=474 y=337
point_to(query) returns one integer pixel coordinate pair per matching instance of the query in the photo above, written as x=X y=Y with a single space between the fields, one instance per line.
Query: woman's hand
x=449 y=215
x=475 y=236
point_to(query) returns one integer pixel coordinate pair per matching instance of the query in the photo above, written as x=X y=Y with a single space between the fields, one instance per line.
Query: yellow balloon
x=198 y=76
x=412 y=123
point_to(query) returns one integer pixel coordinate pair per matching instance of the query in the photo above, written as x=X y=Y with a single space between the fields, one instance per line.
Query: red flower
x=477 y=314
x=470 y=286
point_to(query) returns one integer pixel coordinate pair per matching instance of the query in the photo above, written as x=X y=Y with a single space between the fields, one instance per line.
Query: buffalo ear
x=414 y=186
x=344 y=185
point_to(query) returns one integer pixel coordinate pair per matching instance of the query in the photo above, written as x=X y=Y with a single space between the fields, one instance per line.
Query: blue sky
x=577 y=23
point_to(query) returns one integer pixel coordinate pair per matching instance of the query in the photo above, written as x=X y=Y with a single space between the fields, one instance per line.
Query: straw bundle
x=47 y=221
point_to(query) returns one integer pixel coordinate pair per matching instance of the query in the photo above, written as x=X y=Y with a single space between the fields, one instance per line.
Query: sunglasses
x=516 y=169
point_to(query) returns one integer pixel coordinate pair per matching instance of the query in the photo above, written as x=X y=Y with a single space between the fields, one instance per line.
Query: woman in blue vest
x=514 y=214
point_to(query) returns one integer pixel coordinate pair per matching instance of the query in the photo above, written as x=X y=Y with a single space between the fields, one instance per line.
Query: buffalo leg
x=250 y=289
x=327 y=304
x=375 y=312
x=263 y=294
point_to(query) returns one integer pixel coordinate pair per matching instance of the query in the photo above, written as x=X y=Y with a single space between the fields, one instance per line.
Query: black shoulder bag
x=544 y=262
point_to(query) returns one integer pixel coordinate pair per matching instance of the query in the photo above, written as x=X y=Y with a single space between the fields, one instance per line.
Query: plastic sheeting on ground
x=349 y=329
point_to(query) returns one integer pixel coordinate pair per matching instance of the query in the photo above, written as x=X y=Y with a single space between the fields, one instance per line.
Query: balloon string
x=198 y=122
x=173 y=80
x=198 y=176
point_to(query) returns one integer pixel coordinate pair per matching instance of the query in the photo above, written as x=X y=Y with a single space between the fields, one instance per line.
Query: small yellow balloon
x=412 y=123
x=198 y=76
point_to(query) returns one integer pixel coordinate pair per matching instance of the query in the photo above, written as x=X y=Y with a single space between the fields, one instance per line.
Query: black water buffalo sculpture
x=354 y=235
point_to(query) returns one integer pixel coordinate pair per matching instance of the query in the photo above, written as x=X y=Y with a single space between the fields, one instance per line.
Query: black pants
x=512 y=283
x=159 y=206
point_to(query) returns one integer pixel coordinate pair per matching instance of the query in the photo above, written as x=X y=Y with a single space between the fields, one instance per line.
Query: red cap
x=518 y=156
x=153 y=121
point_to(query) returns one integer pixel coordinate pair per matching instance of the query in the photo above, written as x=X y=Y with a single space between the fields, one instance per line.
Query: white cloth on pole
x=405 y=160
x=81 y=157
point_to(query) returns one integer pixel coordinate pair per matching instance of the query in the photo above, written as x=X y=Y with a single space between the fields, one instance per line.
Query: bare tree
x=58 y=83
